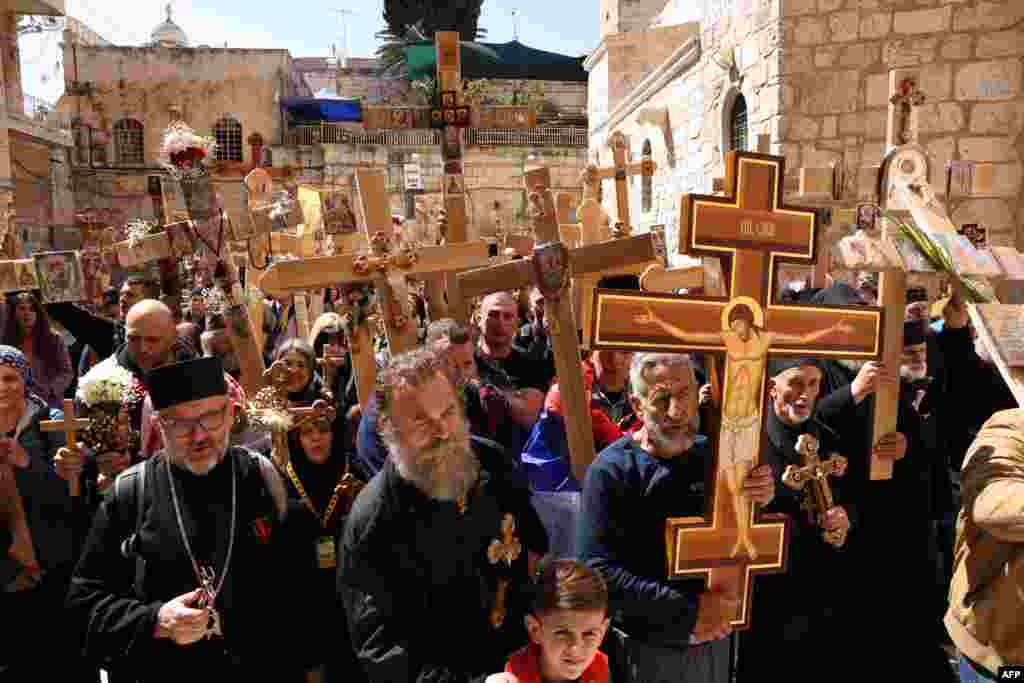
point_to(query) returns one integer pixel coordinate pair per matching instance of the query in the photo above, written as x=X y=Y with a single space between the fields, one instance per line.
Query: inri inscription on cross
x=754 y=232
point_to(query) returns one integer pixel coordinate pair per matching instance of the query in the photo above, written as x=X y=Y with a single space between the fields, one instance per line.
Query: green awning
x=498 y=60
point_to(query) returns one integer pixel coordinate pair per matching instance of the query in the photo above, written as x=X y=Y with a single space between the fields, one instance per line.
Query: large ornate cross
x=905 y=99
x=755 y=232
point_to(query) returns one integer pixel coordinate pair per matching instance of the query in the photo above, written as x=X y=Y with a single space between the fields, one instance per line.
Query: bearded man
x=434 y=564
x=661 y=631
x=170 y=585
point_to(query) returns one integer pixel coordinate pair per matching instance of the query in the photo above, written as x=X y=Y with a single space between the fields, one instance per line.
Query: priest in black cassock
x=434 y=562
x=182 y=576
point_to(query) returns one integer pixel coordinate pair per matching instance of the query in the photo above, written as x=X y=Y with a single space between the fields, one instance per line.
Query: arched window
x=738 y=138
x=129 y=148
x=647 y=182
x=228 y=134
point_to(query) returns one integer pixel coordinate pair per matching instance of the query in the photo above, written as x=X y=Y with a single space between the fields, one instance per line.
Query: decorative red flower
x=262 y=528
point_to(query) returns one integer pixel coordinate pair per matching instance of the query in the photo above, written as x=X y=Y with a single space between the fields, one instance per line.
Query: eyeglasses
x=181 y=427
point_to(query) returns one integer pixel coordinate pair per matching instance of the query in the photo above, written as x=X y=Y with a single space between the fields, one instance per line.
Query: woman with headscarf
x=305 y=385
x=36 y=572
x=27 y=328
x=320 y=491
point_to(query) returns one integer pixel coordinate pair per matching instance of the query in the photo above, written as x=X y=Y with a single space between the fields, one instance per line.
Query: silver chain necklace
x=206 y=575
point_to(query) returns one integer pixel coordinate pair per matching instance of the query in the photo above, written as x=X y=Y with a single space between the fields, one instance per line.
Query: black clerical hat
x=191 y=380
x=777 y=367
x=914 y=332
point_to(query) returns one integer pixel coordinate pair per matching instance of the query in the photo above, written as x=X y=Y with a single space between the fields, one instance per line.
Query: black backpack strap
x=129 y=492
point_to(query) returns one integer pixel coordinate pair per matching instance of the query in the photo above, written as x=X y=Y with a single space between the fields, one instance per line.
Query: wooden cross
x=549 y=268
x=903 y=105
x=815 y=472
x=70 y=426
x=620 y=172
x=755 y=232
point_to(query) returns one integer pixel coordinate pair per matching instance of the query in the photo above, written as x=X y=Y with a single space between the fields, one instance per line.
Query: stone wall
x=492 y=174
x=205 y=83
x=697 y=95
x=835 y=87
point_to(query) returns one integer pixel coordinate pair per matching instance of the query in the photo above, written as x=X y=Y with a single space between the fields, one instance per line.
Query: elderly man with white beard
x=660 y=631
x=434 y=561
x=172 y=584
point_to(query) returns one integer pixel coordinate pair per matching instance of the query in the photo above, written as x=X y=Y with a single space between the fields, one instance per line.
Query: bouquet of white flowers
x=107 y=394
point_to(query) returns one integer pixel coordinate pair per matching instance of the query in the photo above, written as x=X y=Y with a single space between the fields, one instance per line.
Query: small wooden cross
x=620 y=172
x=506 y=549
x=815 y=472
x=70 y=426
x=905 y=99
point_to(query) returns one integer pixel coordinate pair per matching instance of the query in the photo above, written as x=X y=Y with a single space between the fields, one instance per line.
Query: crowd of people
x=436 y=532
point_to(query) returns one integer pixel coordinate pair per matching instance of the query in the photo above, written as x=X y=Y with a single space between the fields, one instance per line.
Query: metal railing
x=335 y=134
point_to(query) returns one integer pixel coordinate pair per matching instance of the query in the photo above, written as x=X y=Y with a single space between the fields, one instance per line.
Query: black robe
x=118 y=624
x=418 y=586
x=797 y=616
x=894 y=554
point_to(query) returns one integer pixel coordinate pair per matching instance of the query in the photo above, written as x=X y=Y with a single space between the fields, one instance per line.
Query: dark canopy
x=499 y=60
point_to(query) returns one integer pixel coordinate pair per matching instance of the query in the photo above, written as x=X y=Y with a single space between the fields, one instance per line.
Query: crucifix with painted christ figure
x=755 y=233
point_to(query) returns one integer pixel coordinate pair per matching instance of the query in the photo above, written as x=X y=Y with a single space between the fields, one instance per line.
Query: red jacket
x=525 y=665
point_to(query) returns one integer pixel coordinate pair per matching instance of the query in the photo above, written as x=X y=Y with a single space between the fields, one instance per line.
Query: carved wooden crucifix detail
x=751 y=229
x=815 y=472
x=621 y=171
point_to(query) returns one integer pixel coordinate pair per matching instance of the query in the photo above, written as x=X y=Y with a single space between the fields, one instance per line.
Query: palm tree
x=411 y=21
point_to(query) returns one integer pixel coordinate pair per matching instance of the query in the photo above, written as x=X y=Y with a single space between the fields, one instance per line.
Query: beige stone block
x=860 y=55
x=878 y=90
x=936 y=81
x=940 y=150
x=789 y=96
x=828 y=126
x=844 y=26
x=1001 y=43
x=852 y=124
x=997 y=80
x=829 y=5
x=1006 y=179
x=875 y=25
x=862 y=4
x=988 y=16
x=873 y=152
x=909 y=52
x=997 y=118
x=796 y=60
x=993 y=213
x=942 y=117
x=923 y=20
x=799 y=128
x=876 y=123
x=957 y=46
x=793 y=8
x=811 y=31
x=833 y=92
x=791 y=151
x=825 y=56
x=988 y=149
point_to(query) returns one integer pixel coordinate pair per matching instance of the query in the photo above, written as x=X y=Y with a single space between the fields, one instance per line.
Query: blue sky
x=307 y=28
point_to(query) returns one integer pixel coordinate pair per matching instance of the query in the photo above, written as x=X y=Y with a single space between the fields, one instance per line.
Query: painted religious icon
x=27 y=278
x=867 y=217
x=747 y=343
x=339 y=218
x=60 y=276
x=977 y=234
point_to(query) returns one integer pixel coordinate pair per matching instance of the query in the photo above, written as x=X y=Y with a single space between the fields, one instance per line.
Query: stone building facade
x=814 y=76
x=123 y=97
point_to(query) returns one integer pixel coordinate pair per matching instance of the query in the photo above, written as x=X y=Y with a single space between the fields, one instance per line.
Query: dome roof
x=168 y=34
